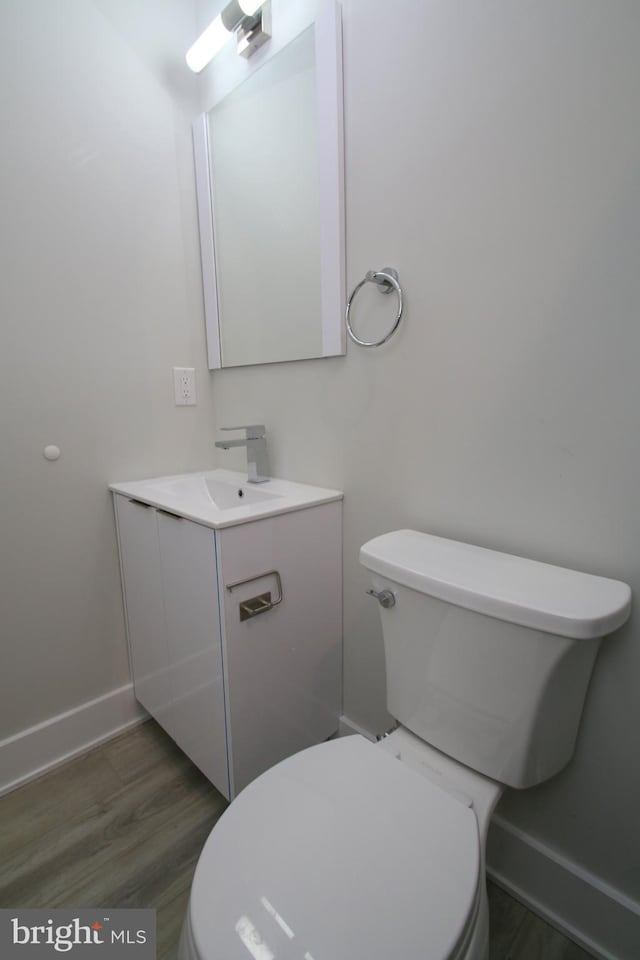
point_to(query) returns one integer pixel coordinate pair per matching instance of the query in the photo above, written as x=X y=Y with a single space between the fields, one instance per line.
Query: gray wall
x=492 y=156
x=99 y=298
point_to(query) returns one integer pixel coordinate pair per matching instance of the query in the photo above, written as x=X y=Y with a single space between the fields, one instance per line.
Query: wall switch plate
x=184 y=386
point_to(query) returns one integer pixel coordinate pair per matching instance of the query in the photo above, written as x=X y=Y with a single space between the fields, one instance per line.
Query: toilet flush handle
x=385 y=598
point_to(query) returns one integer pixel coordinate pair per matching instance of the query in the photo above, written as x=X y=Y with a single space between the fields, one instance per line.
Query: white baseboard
x=600 y=918
x=34 y=751
x=347 y=727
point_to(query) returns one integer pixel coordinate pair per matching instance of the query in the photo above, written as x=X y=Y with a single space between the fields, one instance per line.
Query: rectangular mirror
x=270 y=188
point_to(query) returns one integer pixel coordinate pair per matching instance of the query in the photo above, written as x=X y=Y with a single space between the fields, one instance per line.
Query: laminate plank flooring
x=517 y=934
x=123 y=826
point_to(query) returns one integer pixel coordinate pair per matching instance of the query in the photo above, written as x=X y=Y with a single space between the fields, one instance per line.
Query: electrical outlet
x=184 y=386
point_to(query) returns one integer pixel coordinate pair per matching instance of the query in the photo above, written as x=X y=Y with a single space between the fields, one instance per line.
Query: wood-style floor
x=123 y=826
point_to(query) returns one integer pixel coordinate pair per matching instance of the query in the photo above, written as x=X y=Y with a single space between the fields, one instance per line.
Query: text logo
x=82 y=934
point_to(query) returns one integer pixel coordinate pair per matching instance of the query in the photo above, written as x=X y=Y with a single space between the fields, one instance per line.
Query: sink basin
x=225 y=494
x=222 y=498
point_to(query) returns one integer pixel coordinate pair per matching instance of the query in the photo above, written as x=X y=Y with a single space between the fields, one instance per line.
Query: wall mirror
x=270 y=189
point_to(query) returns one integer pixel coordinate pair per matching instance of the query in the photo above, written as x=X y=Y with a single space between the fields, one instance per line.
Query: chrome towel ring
x=387 y=280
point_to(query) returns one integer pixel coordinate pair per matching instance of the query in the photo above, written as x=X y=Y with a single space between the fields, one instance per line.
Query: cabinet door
x=142 y=586
x=284 y=667
x=190 y=592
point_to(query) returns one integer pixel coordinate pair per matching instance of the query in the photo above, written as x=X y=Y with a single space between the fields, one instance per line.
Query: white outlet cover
x=184 y=386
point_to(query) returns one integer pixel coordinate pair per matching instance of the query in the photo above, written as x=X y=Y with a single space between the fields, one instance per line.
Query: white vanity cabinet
x=171 y=601
x=237 y=692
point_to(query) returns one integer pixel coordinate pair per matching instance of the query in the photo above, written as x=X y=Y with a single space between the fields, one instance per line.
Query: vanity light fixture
x=250 y=20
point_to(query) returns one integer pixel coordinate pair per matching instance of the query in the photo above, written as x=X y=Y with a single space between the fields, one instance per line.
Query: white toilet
x=353 y=850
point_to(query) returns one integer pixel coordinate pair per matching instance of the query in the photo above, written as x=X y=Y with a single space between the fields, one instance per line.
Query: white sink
x=225 y=494
x=223 y=498
x=222 y=492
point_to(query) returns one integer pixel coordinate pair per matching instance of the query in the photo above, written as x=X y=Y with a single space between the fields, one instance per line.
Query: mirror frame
x=329 y=86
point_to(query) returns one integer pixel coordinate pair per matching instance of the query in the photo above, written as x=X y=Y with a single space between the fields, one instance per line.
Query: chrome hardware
x=384 y=278
x=255 y=605
x=260 y=603
x=254 y=431
x=385 y=598
x=256 y=444
x=387 y=280
x=387 y=733
x=253 y=31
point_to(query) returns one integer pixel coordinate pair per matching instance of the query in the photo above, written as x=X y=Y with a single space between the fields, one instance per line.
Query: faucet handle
x=255 y=431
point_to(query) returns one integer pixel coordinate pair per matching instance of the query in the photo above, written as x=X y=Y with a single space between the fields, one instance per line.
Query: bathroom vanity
x=233 y=604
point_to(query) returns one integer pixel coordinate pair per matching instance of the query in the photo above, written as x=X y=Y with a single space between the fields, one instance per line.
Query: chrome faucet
x=256 y=444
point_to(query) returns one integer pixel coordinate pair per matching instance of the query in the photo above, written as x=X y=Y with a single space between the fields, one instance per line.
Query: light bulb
x=249 y=7
x=207 y=45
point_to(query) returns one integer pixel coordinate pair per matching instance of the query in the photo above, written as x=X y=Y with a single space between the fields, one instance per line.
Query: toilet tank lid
x=525 y=592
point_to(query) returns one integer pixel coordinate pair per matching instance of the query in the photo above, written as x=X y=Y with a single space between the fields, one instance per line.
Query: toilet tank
x=489 y=655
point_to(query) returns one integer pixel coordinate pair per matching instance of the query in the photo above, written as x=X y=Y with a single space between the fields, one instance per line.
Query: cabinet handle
x=167 y=513
x=261 y=603
x=255 y=605
x=147 y=506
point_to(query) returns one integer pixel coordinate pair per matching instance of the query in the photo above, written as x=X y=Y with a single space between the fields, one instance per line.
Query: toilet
x=353 y=849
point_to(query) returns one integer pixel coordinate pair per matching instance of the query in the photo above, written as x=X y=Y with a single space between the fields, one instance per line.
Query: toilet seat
x=340 y=851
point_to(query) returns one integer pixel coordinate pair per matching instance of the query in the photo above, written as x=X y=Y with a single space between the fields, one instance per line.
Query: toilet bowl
x=355 y=849
x=309 y=859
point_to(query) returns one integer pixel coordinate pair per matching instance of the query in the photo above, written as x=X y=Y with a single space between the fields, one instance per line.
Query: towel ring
x=387 y=280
